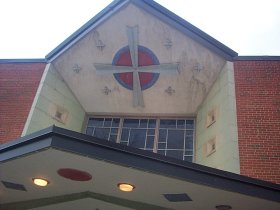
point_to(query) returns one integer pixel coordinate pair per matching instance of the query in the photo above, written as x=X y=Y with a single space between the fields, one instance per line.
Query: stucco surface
x=190 y=86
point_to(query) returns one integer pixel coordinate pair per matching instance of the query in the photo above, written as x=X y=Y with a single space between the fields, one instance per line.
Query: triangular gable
x=170 y=44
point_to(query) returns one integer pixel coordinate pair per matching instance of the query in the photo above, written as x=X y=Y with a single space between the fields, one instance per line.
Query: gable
x=179 y=92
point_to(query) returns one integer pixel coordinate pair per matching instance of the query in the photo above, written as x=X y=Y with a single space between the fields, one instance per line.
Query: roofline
x=226 y=51
x=163 y=13
x=56 y=51
x=257 y=58
x=24 y=60
x=81 y=144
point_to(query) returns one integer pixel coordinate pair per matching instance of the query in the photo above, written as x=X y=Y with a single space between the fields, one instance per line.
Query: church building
x=139 y=109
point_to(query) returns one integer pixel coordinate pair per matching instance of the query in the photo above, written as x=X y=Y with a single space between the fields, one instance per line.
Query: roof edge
x=231 y=53
x=257 y=58
x=24 y=60
x=83 y=138
x=205 y=39
x=82 y=29
x=165 y=159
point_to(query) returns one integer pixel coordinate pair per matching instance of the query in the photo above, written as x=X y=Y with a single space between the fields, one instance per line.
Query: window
x=170 y=137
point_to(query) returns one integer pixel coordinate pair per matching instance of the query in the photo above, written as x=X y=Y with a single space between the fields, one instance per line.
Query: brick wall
x=258 y=118
x=18 y=86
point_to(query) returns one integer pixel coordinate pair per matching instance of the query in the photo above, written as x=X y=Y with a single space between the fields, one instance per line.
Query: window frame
x=157 y=128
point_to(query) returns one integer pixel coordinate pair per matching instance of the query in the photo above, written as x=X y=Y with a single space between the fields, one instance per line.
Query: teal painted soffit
x=29 y=204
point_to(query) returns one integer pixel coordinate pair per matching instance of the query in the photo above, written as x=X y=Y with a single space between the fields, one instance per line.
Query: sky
x=33 y=28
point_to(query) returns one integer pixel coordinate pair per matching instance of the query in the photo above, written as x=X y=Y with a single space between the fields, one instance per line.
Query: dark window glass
x=90 y=122
x=125 y=134
x=152 y=123
x=89 y=131
x=175 y=139
x=116 y=122
x=188 y=158
x=151 y=132
x=162 y=152
x=189 y=144
x=189 y=138
x=102 y=133
x=188 y=152
x=161 y=145
x=143 y=123
x=150 y=150
x=137 y=138
x=131 y=123
x=167 y=123
x=124 y=142
x=113 y=138
x=150 y=142
x=189 y=132
x=108 y=122
x=96 y=122
x=181 y=124
x=189 y=124
x=175 y=154
x=162 y=135
x=114 y=130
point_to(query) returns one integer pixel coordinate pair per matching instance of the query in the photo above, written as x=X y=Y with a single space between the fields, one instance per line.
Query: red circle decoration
x=74 y=174
x=145 y=58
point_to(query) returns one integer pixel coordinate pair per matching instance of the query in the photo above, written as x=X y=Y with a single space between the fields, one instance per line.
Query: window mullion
x=120 y=131
x=156 y=136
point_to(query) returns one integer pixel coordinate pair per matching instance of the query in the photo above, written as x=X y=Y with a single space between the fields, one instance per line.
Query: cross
x=132 y=34
x=76 y=68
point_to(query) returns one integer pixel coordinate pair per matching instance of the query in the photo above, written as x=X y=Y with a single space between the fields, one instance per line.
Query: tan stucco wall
x=52 y=95
x=189 y=85
x=222 y=99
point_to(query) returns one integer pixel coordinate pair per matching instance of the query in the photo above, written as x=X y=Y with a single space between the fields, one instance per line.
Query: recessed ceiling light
x=40 y=182
x=223 y=207
x=126 y=187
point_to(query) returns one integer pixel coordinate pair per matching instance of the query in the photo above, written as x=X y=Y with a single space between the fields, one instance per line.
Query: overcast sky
x=32 y=28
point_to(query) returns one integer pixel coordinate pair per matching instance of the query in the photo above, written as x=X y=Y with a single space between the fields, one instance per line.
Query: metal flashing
x=28 y=60
x=257 y=58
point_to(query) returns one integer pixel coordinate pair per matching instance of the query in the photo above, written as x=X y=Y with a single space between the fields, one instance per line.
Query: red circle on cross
x=145 y=58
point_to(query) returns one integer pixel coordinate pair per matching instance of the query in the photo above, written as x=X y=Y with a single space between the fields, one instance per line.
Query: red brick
x=18 y=86
x=257 y=85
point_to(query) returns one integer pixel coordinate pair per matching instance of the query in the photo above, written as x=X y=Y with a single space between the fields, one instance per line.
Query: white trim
x=35 y=100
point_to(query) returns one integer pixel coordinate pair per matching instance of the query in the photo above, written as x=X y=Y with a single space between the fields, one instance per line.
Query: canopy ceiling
x=160 y=182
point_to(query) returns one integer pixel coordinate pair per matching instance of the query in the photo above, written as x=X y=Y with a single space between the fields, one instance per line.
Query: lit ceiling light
x=126 y=187
x=40 y=182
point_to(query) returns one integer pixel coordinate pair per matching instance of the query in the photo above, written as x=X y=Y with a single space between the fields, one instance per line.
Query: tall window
x=170 y=137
